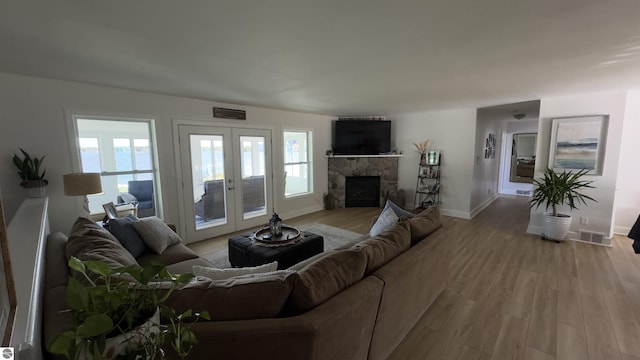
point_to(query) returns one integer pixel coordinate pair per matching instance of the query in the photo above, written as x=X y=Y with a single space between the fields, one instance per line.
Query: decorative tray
x=289 y=233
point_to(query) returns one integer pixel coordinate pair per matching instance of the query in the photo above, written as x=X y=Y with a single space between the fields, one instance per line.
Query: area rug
x=333 y=238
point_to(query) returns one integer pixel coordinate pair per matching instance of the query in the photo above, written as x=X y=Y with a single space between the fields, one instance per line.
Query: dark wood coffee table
x=244 y=251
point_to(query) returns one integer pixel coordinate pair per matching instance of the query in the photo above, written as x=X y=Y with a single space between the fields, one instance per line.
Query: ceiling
x=333 y=57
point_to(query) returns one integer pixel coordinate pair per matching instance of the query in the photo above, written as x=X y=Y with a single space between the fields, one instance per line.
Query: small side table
x=243 y=251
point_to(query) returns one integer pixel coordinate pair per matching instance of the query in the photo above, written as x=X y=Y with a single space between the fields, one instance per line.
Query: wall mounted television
x=361 y=137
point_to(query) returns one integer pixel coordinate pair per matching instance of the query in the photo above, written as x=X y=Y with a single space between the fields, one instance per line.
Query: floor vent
x=592 y=236
x=523 y=192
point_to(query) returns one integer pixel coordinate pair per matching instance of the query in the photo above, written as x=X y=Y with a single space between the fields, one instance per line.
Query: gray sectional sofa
x=354 y=303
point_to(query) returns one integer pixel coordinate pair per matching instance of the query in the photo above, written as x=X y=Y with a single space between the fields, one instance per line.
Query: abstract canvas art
x=578 y=143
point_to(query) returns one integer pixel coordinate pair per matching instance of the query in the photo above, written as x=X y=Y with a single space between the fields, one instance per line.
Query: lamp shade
x=76 y=184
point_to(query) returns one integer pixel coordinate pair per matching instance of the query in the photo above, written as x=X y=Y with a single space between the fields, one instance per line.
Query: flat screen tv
x=361 y=137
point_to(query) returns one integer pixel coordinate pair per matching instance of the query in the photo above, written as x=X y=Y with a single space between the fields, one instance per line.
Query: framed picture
x=110 y=210
x=433 y=157
x=578 y=143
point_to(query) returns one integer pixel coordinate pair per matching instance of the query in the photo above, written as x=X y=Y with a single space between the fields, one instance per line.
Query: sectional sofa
x=354 y=303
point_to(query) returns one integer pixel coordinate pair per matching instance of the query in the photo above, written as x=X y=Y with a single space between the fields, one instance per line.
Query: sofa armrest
x=311 y=335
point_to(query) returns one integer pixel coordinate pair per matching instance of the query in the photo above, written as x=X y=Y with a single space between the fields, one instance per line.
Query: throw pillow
x=123 y=230
x=400 y=212
x=88 y=241
x=223 y=274
x=387 y=219
x=157 y=235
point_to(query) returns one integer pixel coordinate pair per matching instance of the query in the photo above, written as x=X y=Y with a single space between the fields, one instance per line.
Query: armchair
x=141 y=193
x=211 y=205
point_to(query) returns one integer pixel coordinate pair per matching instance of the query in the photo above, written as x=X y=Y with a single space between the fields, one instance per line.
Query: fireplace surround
x=340 y=167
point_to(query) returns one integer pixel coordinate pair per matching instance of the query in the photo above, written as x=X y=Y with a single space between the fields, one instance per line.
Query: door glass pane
x=209 y=195
x=253 y=176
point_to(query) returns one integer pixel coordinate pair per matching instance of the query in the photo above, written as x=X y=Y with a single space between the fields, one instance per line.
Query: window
x=122 y=151
x=297 y=163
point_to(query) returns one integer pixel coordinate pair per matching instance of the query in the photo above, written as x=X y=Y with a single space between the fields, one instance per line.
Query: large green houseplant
x=557 y=189
x=31 y=172
x=116 y=313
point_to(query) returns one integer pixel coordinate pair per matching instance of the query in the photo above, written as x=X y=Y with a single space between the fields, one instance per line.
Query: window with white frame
x=122 y=151
x=297 y=163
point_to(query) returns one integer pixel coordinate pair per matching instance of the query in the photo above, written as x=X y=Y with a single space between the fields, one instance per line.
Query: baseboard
x=300 y=212
x=456 y=213
x=621 y=230
x=482 y=206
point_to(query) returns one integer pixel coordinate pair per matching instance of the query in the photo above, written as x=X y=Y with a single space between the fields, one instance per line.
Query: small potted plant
x=116 y=313
x=557 y=189
x=31 y=173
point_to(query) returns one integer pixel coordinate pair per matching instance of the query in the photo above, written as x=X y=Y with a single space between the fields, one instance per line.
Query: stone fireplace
x=341 y=167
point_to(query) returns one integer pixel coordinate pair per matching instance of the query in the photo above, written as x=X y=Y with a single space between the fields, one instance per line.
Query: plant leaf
x=95 y=325
x=99 y=267
x=61 y=343
x=76 y=295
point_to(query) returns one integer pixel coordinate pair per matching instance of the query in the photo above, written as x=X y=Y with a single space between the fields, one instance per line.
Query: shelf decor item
x=433 y=157
x=422 y=150
x=557 y=189
x=31 y=173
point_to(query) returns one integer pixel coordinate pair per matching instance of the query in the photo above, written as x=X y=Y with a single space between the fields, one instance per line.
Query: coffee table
x=244 y=251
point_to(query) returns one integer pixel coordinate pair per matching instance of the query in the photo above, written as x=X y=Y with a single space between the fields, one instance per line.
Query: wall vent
x=592 y=237
x=523 y=192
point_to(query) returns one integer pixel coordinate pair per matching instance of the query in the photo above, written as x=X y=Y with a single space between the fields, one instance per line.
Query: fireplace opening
x=362 y=191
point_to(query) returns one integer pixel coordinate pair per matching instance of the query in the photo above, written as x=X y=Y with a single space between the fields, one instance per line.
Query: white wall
x=32 y=114
x=612 y=103
x=451 y=132
x=627 y=199
x=486 y=171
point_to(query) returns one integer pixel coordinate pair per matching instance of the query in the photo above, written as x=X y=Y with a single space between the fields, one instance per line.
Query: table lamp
x=82 y=184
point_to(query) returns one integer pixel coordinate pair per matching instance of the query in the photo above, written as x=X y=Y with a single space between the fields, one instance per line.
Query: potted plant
x=557 y=189
x=31 y=173
x=116 y=313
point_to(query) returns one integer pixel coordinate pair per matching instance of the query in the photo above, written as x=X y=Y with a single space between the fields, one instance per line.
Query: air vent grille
x=592 y=237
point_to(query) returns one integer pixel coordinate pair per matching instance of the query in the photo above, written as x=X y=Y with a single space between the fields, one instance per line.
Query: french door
x=226 y=179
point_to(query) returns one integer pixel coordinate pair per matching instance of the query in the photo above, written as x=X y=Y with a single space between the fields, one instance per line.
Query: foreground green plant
x=110 y=302
x=557 y=189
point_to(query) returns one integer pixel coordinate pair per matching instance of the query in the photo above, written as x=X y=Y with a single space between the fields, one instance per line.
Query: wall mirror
x=523 y=157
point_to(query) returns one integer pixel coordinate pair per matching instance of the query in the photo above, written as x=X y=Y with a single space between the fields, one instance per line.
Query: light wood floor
x=514 y=296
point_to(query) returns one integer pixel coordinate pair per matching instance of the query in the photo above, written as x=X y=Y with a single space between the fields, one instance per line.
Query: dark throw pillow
x=123 y=230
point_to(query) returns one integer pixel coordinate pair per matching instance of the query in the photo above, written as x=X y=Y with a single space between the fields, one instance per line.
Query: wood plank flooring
x=512 y=295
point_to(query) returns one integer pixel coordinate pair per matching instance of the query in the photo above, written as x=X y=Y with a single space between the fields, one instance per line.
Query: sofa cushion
x=326 y=277
x=123 y=230
x=385 y=247
x=424 y=224
x=171 y=255
x=255 y=296
x=214 y=273
x=157 y=235
x=386 y=220
x=89 y=241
